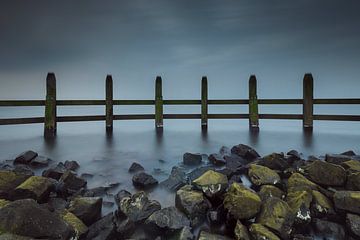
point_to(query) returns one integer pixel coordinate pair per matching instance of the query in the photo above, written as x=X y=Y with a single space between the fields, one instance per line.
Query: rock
x=348 y=201
x=260 y=232
x=295 y=154
x=275 y=161
x=353 y=181
x=23 y=169
x=245 y=152
x=183 y=234
x=9 y=181
x=352 y=166
x=217 y=159
x=144 y=180
x=192 y=158
x=210 y=236
x=79 y=227
x=71 y=165
x=71 y=182
x=325 y=173
x=35 y=187
x=235 y=178
x=124 y=227
x=241 y=202
x=88 y=209
x=299 y=202
x=298 y=182
x=27 y=218
x=135 y=167
x=268 y=191
x=260 y=175
x=192 y=203
x=55 y=172
x=96 y=192
x=329 y=230
x=57 y=204
x=353 y=224
x=168 y=219
x=197 y=172
x=336 y=158
x=349 y=153
x=276 y=215
x=138 y=207
x=9 y=236
x=25 y=157
x=302 y=237
x=211 y=183
x=104 y=229
x=321 y=206
x=40 y=162
x=176 y=180
x=120 y=195
x=241 y=232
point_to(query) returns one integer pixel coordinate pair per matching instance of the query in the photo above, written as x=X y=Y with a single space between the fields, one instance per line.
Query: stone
x=275 y=161
x=352 y=166
x=325 y=173
x=260 y=232
x=124 y=227
x=336 y=158
x=197 y=172
x=79 y=227
x=3 y=203
x=276 y=215
x=269 y=191
x=299 y=202
x=168 y=219
x=120 y=195
x=40 y=162
x=241 y=202
x=71 y=182
x=138 y=207
x=136 y=167
x=349 y=153
x=55 y=172
x=144 y=180
x=210 y=236
x=27 y=218
x=10 y=236
x=348 y=201
x=353 y=181
x=234 y=162
x=241 y=232
x=103 y=229
x=25 y=157
x=57 y=204
x=245 y=152
x=321 y=206
x=88 y=209
x=23 y=169
x=96 y=192
x=192 y=203
x=192 y=158
x=183 y=234
x=35 y=187
x=217 y=159
x=9 y=181
x=176 y=180
x=211 y=183
x=294 y=153
x=260 y=175
x=299 y=182
x=329 y=230
x=353 y=224
x=71 y=165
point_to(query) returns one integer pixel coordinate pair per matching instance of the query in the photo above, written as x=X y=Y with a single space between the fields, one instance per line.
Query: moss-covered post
x=158 y=103
x=204 y=103
x=253 y=104
x=50 y=106
x=308 y=101
x=109 y=104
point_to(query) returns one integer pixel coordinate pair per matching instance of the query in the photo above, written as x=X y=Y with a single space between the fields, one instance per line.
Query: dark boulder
x=103 y=229
x=260 y=232
x=349 y=153
x=241 y=232
x=347 y=201
x=71 y=165
x=337 y=158
x=353 y=224
x=275 y=161
x=353 y=181
x=192 y=158
x=35 y=187
x=210 y=236
x=25 y=157
x=325 y=173
x=71 y=182
x=217 y=159
x=294 y=154
x=55 y=172
x=176 y=180
x=9 y=181
x=88 y=209
x=261 y=175
x=329 y=230
x=135 y=167
x=40 y=162
x=245 y=152
x=183 y=234
x=144 y=180
x=120 y=195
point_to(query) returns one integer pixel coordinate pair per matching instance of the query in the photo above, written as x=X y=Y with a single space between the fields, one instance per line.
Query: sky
x=181 y=40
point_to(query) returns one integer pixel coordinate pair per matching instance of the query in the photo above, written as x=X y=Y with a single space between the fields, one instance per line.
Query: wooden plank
x=16 y=121
x=337 y=101
x=281 y=116
x=88 y=118
x=204 y=105
x=182 y=116
x=109 y=111
x=253 y=104
x=134 y=116
x=158 y=103
x=227 y=101
x=337 y=117
x=182 y=102
x=21 y=103
x=50 y=106
x=134 y=102
x=228 y=116
x=80 y=102
x=280 y=101
x=308 y=98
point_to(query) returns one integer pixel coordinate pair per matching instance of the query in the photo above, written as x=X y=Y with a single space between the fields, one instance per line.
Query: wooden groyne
x=51 y=119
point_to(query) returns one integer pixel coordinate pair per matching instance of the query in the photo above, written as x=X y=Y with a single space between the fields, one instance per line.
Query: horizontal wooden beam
x=337 y=117
x=182 y=102
x=337 y=101
x=15 y=121
x=281 y=116
x=134 y=116
x=20 y=103
x=280 y=101
x=134 y=102
x=228 y=101
x=80 y=118
x=80 y=102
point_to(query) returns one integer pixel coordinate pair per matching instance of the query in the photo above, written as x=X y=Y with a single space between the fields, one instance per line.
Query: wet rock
x=353 y=224
x=275 y=161
x=138 y=207
x=35 y=187
x=336 y=158
x=27 y=218
x=276 y=215
x=197 y=172
x=295 y=154
x=192 y=203
x=242 y=202
x=329 y=230
x=241 y=232
x=25 y=157
x=192 y=158
x=96 y=192
x=352 y=166
x=211 y=183
x=79 y=227
x=234 y=163
x=71 y=165
x=183 y=234
x=260 y=232
x=299 y=202
x=55 y=172
x=348 y=201
x=216 y=217
x=144 y=180
x=57 y=204
x=88 y=209
x=135 y=167
x=235 y=178
x=353 y=181
x=269 y=191
x=3 y=203
x=298 y=182
x=168 y=219
x=87 y=175
x=9 y=181
x=349 y=153
x=120 y=195
x=302 y=237
x=321 y=206
x=325 y=173
x=9 y=236
x=124 y=227
x=103 y=229
x=217 y=159
x=210 y=236
x=260 y=175
x=245 y=152
x=176 y=180
x=23 y=169
x=71 y=182
x=40 y=162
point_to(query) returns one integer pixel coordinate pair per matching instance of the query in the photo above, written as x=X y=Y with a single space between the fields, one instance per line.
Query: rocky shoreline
x=232 y=194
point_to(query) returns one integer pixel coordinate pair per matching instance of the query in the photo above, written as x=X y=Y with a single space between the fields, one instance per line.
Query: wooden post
x=253 y=104
x=158 y=103
x=109 y=104
x=50 y=106
x=204 y=103
x=308 y=101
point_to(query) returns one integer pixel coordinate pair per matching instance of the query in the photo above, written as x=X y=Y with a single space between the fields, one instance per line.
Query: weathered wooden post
x=109 y=104
x=158 y=103
x=204 y=103
x=308 y=101
x=50 y=106
x=253 y=104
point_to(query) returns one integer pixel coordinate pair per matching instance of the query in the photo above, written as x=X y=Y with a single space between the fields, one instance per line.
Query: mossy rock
x=275 y=161
x=35 y=187
x=3 y=203
x=268 y=191
x=241 y=232
x=299 y=202
x=325 y=173
x=321 y=205
x=10 y=236
x=242 y=202
x=87 y=209
x=260 y=175
x=353 y=181
x=9 y=181
x=211 y=183
x=347 y=201
x=79 y=227
x=210 y=236
x=298 y=182
x=276 y=215
x=351 y=166
x=260 y=232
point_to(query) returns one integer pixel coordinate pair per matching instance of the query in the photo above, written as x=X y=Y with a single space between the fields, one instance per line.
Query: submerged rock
x=192 y=158
x=245 y=152
x=176 y=180
x=241 y=232
x=103 y=229
x=242 y=202
x=136 y=167
x=9 y=181
x=88 y=209
x=144 y=180
x=348 y=201
x=325 y=173
x=330 y=230
x=40 y=162
x=211 y=183
x=260 y=232
x=25 y=157
x=260 y=175
x=35 y=187
x=55 y=172
x=210 y=236
x=71 y=165
x=168 y=219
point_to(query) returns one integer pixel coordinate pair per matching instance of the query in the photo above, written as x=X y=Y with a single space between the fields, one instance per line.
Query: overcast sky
x=181 y=40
